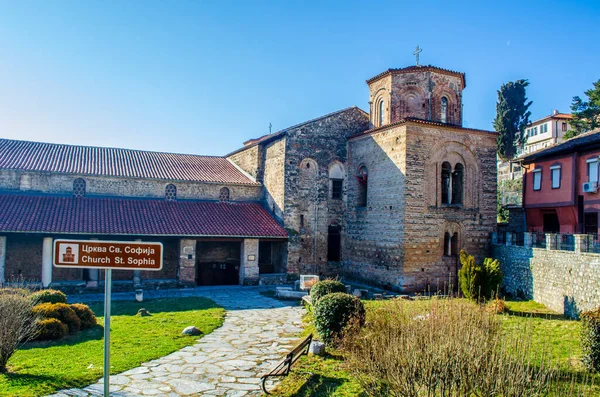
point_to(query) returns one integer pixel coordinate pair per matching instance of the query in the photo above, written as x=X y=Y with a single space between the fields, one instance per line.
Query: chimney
x=555 y=112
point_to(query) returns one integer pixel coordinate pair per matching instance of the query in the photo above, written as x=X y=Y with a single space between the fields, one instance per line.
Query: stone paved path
x=256 y=333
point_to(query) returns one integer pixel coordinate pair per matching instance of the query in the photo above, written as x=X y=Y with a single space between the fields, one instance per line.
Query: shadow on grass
x=94 y=333
x=27 y=380
x=545 y=316
x=319 y=385
x=154 y=306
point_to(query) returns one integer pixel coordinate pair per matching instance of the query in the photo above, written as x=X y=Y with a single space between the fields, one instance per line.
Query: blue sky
x=203 y=76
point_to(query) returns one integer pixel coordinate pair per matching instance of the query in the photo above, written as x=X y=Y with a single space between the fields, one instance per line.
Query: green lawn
x=328 y=375
x=43 y=367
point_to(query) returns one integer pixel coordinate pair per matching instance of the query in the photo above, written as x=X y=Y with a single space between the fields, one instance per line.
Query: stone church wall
x=274 y=177
x=250 y=160
x=374 y=241
x=309 y=209
x=124 y=187
x=427 y=219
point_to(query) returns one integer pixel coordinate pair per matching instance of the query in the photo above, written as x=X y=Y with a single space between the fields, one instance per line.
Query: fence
x=587 y=243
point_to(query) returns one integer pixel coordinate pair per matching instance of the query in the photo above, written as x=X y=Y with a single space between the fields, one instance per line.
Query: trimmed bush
x=85 y=314
x=590 y=339
x=334 y=313
x=325 y=287
x=51 y=329
x=59 y=311
x=49 y=296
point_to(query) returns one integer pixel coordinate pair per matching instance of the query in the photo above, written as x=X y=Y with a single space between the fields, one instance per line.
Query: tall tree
x=586 y=114
x=512 y=115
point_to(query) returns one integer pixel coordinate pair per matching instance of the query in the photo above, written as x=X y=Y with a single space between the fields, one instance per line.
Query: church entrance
x=218 y=262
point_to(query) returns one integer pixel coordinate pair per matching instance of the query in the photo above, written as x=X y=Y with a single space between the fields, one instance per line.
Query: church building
x=387 y=197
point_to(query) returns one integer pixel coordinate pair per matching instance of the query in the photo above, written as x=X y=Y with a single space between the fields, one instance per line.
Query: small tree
x=586 y=114
x=512 y=115
x=479 y=282
x=18 y=324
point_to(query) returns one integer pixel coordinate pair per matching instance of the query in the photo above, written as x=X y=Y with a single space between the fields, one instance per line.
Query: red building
x=560 y=186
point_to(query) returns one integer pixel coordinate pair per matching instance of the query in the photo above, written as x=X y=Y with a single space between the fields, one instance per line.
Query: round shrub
x=59 y=311
x=325 y=287
x=590 y=339
x=85 y=314
x=334 y=313
x=51 y=329
x=49 y=296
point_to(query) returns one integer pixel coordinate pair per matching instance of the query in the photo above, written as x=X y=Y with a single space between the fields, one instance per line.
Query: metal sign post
x=107 y=291
x=108 y=255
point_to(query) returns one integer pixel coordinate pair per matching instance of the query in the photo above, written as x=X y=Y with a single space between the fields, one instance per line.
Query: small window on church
x=224 y=194
x=362 y=178
x=170 y=192
x=457 y=184
x=444 y=110
x=79 y=187
x=336 y=176
x=381 y=112
x=336 y=189
x=446 y=180
x=447 y=244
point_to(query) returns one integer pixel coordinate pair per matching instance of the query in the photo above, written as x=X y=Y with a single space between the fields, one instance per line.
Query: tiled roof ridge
x=414 y=68
x=418 y=121
x=110 y=148
x=253 y=142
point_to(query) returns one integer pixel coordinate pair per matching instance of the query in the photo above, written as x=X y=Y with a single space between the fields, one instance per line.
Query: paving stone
x=255 y=334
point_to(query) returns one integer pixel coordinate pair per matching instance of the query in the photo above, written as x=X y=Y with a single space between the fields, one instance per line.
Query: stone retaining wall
x=565 y=281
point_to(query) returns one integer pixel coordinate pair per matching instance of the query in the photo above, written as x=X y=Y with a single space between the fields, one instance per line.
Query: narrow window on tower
x=446 y=183
x=457 y=184
x=444 y=110
x=381 y=112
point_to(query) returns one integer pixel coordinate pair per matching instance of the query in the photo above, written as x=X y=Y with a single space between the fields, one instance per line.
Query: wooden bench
x=284 y=366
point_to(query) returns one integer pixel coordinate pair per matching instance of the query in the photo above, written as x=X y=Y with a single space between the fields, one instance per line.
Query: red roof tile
x=120 y=216
x=103 y=161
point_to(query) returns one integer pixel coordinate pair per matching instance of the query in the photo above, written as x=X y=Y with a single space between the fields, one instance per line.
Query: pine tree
x=586 y=114
x=512 y=115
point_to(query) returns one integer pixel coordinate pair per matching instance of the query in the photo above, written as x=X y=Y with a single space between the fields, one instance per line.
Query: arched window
x=363 y=179
x=224 y=194
x=454 y=245
x=170 y=192
x=336 y=176
x=79 y=187
x=457 y=184
x=446 y=183
x=381 y=112
x=447 y=244
x=444 y=110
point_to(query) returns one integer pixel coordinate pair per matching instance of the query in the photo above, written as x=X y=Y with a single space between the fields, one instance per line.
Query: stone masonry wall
x=310 y=210
x=427 y=219
x=24 y=257
x=250 y=160
x=565 y=281
x=274 y=177
x=123 y=187
x=374 y=241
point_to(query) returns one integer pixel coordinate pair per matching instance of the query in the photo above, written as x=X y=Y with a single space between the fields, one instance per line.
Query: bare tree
x=18 y=324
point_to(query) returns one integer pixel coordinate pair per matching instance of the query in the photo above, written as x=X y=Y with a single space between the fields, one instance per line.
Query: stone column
x=2 y=258
x=137 y=274
x=47 y=261
x=249 y=262
x=581 y=241
x=509 y=238
x=528 y=240
x=551 y=241
x=187 y=261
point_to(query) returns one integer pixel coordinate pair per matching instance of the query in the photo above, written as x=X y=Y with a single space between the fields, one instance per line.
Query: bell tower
x=421 y=92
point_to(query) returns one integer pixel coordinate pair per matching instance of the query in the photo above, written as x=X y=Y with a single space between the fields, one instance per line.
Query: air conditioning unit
x=590 y=187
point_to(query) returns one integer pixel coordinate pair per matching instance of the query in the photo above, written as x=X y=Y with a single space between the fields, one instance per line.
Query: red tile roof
x=423 y=68
x=120 y=216
x=104 y=161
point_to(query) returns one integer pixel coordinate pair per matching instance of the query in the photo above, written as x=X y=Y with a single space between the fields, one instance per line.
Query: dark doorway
x=218 y=262
x=333 y=244
x=265 y=257
x=551 y=223
x=591 y=222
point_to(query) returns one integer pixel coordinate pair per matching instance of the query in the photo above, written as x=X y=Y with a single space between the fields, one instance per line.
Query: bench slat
x=283 y=367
